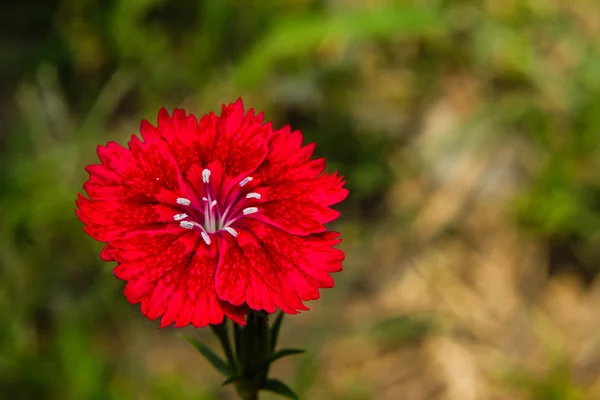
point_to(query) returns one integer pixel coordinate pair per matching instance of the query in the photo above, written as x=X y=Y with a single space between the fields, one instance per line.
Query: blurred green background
x=468 y=130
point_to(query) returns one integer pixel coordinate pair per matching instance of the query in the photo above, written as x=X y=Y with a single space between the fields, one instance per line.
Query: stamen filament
x=232 y=231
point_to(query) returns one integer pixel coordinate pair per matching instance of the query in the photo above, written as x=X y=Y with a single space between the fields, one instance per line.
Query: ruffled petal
x=146 y=173
x=190 y=142
x=326 y=190
x=297 y=217
x=300 y=207
x=172 y=274
x=242 y=140
x=246 y=274
x=106 y=220
x=196 y=301
x=266 y=267
x=308 y=260
x=287 y=160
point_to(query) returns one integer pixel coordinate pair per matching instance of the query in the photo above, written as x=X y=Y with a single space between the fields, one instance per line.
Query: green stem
x=247 y=389
x=253 y=339
x=222 y=334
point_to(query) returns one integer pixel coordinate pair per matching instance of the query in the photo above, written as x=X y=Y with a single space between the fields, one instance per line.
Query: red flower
x=204 y=217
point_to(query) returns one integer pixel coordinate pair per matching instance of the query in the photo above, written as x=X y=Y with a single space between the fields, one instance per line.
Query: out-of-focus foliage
x=468 y=130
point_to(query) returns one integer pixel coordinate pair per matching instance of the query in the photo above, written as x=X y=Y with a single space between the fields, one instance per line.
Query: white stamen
x=250 y=210
x=231 y=230
x=253 y=195
x=214 y=203
x=205 y=175
x=245 y=180
x=179 y=217
x=186 y=224
x=205 y=237
x=205 y=199
x=183 y=201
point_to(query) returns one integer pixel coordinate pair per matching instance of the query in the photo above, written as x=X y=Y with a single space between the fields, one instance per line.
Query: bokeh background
x=469 y=133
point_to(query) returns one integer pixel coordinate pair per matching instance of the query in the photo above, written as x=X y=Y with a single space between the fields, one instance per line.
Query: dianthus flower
x=209 y=218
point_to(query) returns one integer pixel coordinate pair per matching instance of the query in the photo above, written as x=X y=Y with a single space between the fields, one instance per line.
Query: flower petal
x=241 y=140
x=301 y=207
x=297 y=217
x=196 y=301
x=287 y=160
x=145 y=174
x=189 y=141
x=307 y=260
x=246 y=274
x=107 y=220
x=266 y=267
x=172 y=274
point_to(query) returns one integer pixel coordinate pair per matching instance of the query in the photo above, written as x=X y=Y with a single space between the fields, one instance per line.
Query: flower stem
x=222 y=333
x=253 y=340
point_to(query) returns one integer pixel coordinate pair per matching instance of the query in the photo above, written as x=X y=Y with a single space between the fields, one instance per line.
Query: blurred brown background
x=468 y=130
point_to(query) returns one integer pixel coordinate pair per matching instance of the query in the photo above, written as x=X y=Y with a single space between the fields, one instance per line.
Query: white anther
x=205 y=175
x=186 y=224
x=179 y=217
x=253 y=195
x=214 y=203
x=245 y=180
x=250 y=210
x=232 y=231
x=183 y=201
x=205 y=237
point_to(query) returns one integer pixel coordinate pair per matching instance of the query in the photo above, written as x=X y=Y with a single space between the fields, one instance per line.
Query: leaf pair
x=255 y=352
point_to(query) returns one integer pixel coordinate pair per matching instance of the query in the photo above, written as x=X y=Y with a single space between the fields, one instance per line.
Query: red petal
x=287 y=161
x=246 y=274
x=147 y=173
x=326 y=190
x=108 y=220
x=172 y=274
x=267 y=267
x=308 y=259
x=191 y=143
x=296 y=217
x=301 y=207
x=106 y=253
x=241 y=143
x=197 y=302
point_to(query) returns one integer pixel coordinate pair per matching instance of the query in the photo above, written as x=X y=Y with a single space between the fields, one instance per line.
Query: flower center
x=210 y=216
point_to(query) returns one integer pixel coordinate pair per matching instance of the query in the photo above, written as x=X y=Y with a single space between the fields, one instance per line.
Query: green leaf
x=214 y=359
x=280 y=354
x=231 y=379
x=276 y=386
x=275 y=330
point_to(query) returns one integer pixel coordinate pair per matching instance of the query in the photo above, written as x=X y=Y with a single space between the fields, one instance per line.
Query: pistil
x=213 y=219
